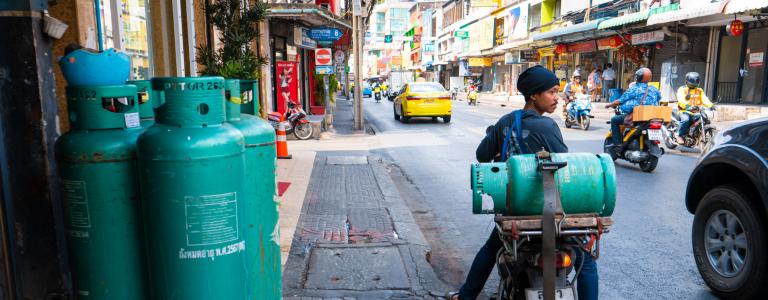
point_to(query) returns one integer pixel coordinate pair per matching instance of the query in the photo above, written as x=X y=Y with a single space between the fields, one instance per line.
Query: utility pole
x=358 y=40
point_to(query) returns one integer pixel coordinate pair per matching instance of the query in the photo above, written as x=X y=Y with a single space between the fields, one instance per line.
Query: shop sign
x=561 y=49
x=549 y=51
x=609 y=43
x=480 y=61
x=484 y=3
x=648 y=37
x=499 y=58
x=301 y=38
x=516 y=23
x=461 y=33
x=498 y=32
x=756 y=59
x=529 y=56
x=735 y=28
x=587 y=46
x=482 y=37
x=511 y=58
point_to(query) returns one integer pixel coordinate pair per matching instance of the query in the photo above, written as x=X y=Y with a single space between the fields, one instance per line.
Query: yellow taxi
x=422 y=99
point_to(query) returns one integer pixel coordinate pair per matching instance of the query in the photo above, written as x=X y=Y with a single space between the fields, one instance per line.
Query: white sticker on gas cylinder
x=211 y=219
x=212 y=253
x=487 y=202
x=132 y=120
x=76 y=201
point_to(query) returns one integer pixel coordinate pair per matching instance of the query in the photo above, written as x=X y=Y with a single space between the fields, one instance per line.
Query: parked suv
x=728 y=195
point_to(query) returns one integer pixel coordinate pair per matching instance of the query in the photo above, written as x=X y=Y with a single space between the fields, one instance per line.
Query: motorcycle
x=377 y=96
x=472 y=97
x=295 y=121
x=539 y=251
x=700 y=133
x=579 y=112
x=640 y=144
x=454 y=93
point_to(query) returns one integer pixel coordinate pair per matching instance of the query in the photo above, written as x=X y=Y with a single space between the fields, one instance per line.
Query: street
x=647 y=254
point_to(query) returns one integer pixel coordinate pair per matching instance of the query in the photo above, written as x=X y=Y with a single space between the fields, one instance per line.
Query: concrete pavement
x=348 y=231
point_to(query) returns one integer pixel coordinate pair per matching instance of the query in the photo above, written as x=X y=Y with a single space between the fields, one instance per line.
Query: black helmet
x=692 y=80
x=643 y=75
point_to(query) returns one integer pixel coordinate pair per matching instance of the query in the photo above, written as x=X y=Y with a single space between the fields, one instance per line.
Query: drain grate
x=346 y=160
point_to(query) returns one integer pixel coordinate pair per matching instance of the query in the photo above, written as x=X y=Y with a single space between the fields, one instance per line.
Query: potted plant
x=317 y=107
x=236 y=59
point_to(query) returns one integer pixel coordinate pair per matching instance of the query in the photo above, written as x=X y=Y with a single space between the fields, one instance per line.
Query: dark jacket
x=538 y=132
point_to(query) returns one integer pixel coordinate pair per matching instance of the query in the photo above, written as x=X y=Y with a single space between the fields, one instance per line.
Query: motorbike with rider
x=636 y=141
x=692 y=125
x=572 y=91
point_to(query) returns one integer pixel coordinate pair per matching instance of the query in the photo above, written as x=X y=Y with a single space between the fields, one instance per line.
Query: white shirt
x=609 y=74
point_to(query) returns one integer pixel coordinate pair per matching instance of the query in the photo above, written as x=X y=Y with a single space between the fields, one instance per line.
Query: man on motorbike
x=540 y=88
x=639 y=93
x=572 y=90
x=690 y=96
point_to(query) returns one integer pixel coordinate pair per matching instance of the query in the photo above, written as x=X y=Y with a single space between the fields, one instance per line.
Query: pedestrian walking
x=609 y=80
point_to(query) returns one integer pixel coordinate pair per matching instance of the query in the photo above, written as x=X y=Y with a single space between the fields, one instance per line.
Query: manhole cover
x=347 y=160
x=363 y=268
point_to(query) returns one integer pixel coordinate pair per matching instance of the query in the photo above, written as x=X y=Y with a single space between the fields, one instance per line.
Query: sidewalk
x=345 y=231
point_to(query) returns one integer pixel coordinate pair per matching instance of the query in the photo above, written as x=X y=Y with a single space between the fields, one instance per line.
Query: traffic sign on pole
x=323 y=57
x=325 y=34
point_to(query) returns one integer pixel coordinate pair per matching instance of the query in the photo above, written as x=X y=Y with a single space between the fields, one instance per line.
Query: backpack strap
x=514 y=138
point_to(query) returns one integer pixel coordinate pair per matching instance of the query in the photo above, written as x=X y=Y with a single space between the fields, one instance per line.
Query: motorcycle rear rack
x=568 y=225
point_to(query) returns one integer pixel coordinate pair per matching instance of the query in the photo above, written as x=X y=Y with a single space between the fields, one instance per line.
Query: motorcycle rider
x=689 y=96
x=572 y=90
x=540 y=88
x=640 y=92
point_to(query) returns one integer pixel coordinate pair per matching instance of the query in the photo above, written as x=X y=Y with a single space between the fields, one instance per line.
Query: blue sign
x=325 y=34
x=323 y=70
x=302 y=38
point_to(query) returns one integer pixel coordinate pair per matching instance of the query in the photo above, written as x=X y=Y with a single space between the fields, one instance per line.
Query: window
x=398 y=13
x=426 y=87
x=131 y=36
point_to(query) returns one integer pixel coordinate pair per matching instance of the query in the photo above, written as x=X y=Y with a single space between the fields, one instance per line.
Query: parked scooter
x=640 y=144
x=579 y=112
x=295 y=121
x=700 y=133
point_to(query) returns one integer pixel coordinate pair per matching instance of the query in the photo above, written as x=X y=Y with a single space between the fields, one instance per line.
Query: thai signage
x=587 y=46
x=480 y=61
x=648 y=37
x=301 y=38
x=609 y=43
x=529 y=56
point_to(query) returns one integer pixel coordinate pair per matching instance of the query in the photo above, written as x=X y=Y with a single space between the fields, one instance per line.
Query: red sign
x=587 y=46
x=323 y=57
x=561 y=48
x=287 y=85
x=609 y=43
x=735 y=28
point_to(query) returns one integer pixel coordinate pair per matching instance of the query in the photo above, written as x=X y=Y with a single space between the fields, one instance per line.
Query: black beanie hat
x=535 y=80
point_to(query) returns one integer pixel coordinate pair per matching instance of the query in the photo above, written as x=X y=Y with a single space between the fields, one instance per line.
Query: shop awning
x=636 y=17
x=700 y=10
x=576 y=28
x=738 y=6
x=310 y=14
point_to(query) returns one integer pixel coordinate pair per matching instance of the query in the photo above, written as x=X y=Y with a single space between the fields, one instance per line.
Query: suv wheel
x=729 y=243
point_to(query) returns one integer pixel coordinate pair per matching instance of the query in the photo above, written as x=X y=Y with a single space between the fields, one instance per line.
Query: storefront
x=740 y=76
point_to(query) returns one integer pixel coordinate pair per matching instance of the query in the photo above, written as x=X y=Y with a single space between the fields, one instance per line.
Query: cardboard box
x=647 y=112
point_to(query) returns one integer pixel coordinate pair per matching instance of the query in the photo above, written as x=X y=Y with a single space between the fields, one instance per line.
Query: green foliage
x=318 y=92
x=239 y=29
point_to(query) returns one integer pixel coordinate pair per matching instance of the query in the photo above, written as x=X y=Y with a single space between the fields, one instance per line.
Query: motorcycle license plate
x=534 y=294
x=654 y=134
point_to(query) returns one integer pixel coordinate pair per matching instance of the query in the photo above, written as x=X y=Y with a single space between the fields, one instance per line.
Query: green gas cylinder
x=145 y=96
x=262 y=237
x=97 y=165
x=249 y=95
x=586 y=185
x=191 y=170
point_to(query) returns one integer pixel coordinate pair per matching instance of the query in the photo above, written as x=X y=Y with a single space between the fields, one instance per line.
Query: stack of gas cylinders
x=169 y=190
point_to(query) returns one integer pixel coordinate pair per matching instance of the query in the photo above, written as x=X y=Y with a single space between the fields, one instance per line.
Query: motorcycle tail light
x=655 y=125
x=562 y=260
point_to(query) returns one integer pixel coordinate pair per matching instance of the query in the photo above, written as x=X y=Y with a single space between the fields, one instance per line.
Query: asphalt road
x=647 y=254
